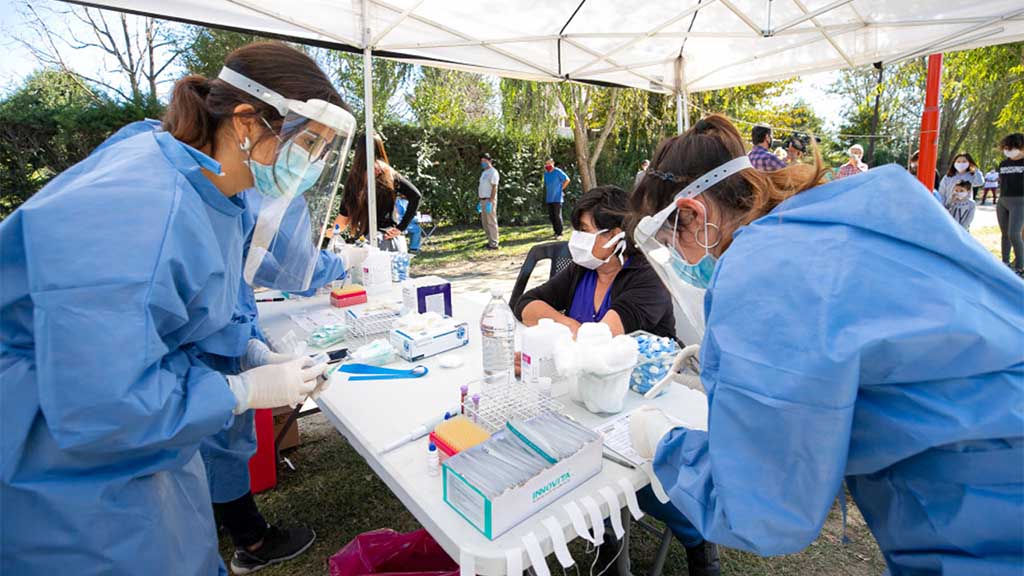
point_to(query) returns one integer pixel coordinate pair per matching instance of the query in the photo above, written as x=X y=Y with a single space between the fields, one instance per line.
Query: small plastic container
x=348 y=296
x=655 y=361
x=604 y=393
x=433 y=460
x=400 y=266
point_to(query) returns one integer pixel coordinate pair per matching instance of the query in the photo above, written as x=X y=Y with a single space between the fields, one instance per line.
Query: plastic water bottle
x=337 y=247
x=498 y=328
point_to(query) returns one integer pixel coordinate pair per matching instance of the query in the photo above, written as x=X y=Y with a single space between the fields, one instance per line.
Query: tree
x=203 y=50
x=390 y=79
x=139 y=52
x=590 y=109
x=450 y=98
x=49 y=124
x=530 y=107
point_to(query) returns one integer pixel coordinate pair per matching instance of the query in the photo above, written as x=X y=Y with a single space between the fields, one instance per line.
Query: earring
x=245 y=145
x=705 y=244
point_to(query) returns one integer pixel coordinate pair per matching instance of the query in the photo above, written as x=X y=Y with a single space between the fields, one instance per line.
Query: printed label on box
x=466 y=500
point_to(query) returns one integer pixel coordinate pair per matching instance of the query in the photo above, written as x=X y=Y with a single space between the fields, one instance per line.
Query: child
x=961 y=205
x=415 y=233
x=991 y=186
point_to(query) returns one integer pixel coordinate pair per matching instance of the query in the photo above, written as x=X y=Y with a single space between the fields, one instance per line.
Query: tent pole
x=686 y=110
x=930 y=124
x=679 y=112
x=371 y=180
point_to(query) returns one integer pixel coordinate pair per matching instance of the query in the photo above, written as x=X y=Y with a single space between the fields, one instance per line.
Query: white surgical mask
x=1011 y=154
x=581 y=247
x=961 y=166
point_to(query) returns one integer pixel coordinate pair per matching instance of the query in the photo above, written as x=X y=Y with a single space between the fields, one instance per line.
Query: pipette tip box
x=428 y=294
x=495 y=516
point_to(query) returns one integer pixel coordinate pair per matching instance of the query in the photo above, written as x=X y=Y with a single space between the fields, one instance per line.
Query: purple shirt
x=582 y=308
x=764 y=160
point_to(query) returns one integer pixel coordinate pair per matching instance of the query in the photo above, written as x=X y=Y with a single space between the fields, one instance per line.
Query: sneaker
x=489 y=247
x=279 y=545
x=702 y=560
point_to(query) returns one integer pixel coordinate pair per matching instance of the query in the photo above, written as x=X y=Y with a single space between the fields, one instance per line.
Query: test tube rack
x=372 y=324
x=500 y=403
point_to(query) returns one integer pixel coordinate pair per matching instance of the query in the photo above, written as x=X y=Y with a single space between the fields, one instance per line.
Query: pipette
x=420 y=431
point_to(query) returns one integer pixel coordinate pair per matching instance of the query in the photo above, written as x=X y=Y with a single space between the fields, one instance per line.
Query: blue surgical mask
x=484 y=165
x=697 y=275
x=291 y=175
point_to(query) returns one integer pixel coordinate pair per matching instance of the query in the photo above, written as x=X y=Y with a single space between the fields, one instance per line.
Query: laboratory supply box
x=442 y=336
x=428 y=294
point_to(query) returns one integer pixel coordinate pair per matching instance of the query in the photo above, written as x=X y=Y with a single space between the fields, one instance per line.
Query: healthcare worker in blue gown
x=104 y=398
x=226 y=454
x=844 y=340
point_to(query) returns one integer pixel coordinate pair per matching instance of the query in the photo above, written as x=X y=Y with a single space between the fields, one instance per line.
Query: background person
x=760 y=155
x=640 y=173
x=108 y=476
x=991 y=185
x=1010 y=207
x=555 y=183
x=487 y=193
x=930 y=449
x=961 y=168
x=354 y=213
x=961 y=205
x=795 y=150
x=854 y=166
x=599 y=286
x=414 y=230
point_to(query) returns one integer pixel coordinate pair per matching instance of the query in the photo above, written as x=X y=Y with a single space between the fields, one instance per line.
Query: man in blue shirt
x=555 y=182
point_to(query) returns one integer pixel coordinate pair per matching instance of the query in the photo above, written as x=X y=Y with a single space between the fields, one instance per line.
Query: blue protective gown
x=103 y=399
x=857 y=331
x=227 y=453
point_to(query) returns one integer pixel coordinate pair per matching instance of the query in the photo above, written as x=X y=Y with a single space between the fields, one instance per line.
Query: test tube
x=464 y=390
x=476 y=408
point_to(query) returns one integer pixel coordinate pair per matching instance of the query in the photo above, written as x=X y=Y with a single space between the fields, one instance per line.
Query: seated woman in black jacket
x=609 y=280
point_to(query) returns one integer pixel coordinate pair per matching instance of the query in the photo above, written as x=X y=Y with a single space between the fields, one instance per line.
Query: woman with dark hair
x=391 y=185
x=105 y=392
x=963 y=167
x=1010 y=207
x=819 y=369
x=608 y=280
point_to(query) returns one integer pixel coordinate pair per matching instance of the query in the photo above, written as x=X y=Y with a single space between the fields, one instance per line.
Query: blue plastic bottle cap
x=432 y=448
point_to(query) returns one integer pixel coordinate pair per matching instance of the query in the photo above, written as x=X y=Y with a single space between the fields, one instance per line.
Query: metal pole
x=874 y=119
x=927 y=156
x=679 y=112
x=371 y=179
x=686 y=110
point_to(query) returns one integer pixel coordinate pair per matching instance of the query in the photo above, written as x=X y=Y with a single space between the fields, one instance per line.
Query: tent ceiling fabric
x=724 y=42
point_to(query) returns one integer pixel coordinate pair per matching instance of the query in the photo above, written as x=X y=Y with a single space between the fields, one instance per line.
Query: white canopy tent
x=675 y=47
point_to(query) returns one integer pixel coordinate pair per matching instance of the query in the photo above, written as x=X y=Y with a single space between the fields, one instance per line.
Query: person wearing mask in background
x=817 y=373
x=414 y=230
x=1010 y=207
x=355 y=213
x=854 y=166
x=487 y=193
x=961 y=204
x=961 y=168
x=991 y=186
x=795 y=150
x=108 y=475
x=640 y=173
x=760 y=155
x=555 y=183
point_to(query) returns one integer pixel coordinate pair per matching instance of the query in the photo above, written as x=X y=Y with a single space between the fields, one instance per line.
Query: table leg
x=622 y=563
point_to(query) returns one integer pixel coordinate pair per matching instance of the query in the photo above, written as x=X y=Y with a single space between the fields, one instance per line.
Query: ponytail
x=188 y=118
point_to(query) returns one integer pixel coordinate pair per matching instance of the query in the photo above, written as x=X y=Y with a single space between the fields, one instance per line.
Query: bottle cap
x=432 y=447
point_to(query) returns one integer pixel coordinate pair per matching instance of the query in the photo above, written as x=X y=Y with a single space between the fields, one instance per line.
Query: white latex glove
x=274 y=385
x=647 y=426
x=257 y=354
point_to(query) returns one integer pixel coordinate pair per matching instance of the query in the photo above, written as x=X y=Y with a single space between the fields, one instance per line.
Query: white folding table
x=371 y=415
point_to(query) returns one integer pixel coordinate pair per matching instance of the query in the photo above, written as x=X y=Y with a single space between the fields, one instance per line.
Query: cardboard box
x=494 y=517
x=291 y=439
x=441 y=337
x=428 y=294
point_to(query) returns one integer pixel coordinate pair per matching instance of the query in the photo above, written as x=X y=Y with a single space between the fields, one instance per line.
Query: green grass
x=334 y=492
x=459 y=245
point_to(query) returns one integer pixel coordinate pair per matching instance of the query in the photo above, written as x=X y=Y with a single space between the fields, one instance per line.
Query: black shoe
x=489 y=247
x=278 y=546
x=702 y=560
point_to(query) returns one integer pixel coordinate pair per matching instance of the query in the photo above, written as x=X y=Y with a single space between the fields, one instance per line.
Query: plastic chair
x=557 y=252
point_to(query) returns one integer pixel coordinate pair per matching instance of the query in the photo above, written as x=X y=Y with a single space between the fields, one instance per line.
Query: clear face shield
x=297 y=186
x=657 y=238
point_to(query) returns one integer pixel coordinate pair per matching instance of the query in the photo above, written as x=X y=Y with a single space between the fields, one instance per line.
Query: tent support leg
x=371 y=181
x=930 y=124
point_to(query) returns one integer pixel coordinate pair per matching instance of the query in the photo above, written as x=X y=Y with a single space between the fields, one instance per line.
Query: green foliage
x=449 y=98
x=204 y=49
x=444 y=163
x=52 y=122
x=390 y=78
